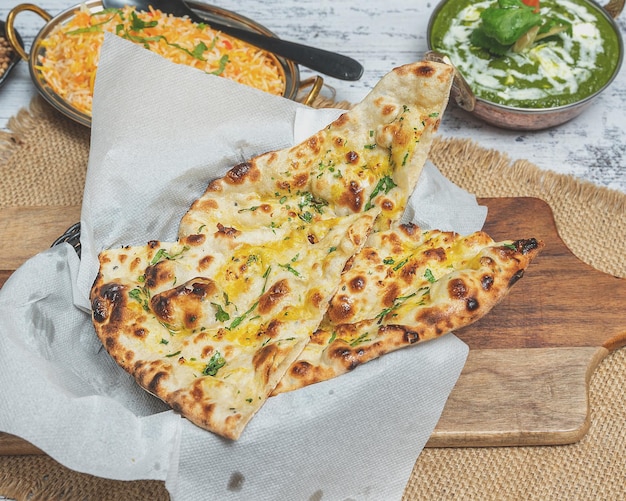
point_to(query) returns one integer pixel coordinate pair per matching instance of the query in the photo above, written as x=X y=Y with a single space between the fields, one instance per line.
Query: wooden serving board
x=526 y=378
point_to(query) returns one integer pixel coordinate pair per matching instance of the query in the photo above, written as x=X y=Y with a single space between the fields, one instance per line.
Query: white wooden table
x=382 y=35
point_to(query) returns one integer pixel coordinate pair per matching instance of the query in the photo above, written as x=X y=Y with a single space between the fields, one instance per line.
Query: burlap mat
x=43 y=161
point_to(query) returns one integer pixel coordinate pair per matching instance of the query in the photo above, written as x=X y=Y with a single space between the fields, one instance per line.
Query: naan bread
x=292 y=268
x=209 y=324
x=371 y=156
x=404 y=287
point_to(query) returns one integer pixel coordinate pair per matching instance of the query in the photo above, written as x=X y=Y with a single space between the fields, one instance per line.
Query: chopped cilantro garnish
x=223 y=62
x=396 y=304
x=385 y=184
x=216 y=362
x=199 y=50
x=406 y=157
x=361 y=339
x=290 y=269
x=428 y=275
x=306 y=216
x=309 y=200
x=137 y=24
x=237 y=321
x=400 y=264
x=142 y=296
x=220 y=314
x=163 y=254
x=332 y=337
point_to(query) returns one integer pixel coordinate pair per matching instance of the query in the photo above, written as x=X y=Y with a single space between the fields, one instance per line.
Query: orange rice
x=70 y=60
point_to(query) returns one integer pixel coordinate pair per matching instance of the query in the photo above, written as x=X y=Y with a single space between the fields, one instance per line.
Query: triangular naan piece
x=210 y=325
x=371 y=156
x=404 y=287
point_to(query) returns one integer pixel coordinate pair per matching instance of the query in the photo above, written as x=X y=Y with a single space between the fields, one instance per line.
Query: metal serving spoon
x=328 y=63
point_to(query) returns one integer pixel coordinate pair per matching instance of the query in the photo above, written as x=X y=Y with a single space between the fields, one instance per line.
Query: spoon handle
x=326 y=62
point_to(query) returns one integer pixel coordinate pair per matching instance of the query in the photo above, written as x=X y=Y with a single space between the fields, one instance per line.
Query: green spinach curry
x=526 y=55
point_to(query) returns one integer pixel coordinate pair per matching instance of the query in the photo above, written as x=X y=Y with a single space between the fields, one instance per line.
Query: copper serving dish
x=510 y=117
x=305 y=91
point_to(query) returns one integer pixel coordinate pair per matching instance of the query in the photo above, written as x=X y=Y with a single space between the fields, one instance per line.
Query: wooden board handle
x=519 y=397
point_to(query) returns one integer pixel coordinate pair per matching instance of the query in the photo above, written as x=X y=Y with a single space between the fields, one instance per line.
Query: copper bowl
x=511 y=117
x=289 y=70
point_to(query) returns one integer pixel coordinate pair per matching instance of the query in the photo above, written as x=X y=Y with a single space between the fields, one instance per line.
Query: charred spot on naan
x=265 y=360
x=226 y=231
x=194 y=240
x=159 y=274
x=205 y=262
x=108 y=301
x=271 y=330
x=242 y=172
x=352 y=157
x=352 y=197
x=182 y=307
x=273 y=296
x=152 y=375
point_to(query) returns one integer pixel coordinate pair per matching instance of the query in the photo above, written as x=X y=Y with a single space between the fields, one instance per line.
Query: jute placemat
x=43 y=160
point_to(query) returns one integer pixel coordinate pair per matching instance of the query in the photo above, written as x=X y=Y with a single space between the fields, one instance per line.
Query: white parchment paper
x=160 y=133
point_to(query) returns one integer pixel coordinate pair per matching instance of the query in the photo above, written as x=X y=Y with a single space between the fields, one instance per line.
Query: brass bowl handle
x=316 y=84
x=10 y=25
x=614 y=8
